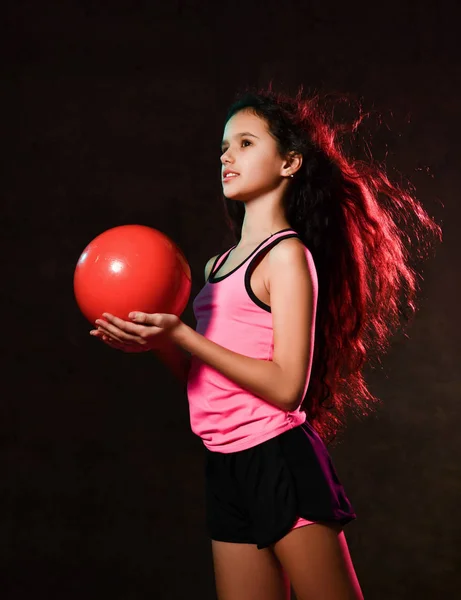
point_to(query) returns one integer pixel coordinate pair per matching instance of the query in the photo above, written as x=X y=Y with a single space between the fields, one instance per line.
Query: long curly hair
x=363 y=232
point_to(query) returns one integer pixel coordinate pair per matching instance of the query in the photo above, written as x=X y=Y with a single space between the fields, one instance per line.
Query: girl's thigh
x=242 y=572
x=317 y=560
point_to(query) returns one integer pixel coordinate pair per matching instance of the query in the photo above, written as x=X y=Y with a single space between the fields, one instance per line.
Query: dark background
x=113 y=114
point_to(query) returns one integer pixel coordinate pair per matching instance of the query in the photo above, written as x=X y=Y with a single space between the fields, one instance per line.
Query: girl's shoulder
x=209 y=266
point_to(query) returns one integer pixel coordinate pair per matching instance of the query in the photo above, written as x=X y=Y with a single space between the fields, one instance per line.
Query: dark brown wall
x=113 y=114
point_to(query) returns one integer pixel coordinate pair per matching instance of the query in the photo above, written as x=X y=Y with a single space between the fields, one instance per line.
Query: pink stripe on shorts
x=301 y=522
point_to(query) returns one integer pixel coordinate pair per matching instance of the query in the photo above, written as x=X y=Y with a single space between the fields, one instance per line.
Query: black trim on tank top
x=212 y=279
x=217 y=259
x=248 y=272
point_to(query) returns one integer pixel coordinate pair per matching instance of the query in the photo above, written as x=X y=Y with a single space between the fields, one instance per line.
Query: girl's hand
x=144 y=332
x=113 y=343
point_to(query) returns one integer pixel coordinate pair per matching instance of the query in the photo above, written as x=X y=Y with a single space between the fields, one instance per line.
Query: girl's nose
x=225 y=158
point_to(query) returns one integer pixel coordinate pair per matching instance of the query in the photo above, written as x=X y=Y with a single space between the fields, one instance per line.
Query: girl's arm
x=292 y=286
x=281 y=380
x=263 y=378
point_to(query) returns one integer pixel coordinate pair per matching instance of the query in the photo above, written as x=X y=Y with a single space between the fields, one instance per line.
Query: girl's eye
x=224 y=150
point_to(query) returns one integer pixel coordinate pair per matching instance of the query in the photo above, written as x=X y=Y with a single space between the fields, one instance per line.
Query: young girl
x=285 y=321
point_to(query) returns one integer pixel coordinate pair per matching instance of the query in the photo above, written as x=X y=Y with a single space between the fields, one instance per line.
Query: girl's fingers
x=114 y=331
x=124 y=346
x=99 y=333
x=125 y=326
x=103 y=335
x=110 y=336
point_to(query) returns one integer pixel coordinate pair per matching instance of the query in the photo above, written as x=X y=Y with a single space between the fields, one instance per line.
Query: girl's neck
x=256 y=237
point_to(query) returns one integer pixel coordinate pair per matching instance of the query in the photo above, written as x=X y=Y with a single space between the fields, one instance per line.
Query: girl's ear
x=292 y=164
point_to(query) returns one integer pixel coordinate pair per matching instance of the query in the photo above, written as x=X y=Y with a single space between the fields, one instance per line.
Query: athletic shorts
x=257 y=495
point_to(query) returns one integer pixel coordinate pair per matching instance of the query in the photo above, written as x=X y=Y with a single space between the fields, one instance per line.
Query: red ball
x=131 y=268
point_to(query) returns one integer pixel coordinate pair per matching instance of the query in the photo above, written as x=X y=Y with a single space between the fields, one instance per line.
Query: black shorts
x=256 y=495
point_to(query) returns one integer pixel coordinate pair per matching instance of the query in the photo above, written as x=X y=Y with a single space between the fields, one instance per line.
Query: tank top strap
x=280 y=235
x=219 y=259
x=268 y=243
x=274 y=239
x=264 y=247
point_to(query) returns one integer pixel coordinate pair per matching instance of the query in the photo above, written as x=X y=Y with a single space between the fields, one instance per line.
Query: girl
x=285 y=321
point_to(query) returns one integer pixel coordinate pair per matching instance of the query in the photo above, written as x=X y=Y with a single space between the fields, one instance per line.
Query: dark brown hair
x=363 y=232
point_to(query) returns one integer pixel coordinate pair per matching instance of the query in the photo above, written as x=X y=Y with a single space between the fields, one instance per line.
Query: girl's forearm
x=261 y=377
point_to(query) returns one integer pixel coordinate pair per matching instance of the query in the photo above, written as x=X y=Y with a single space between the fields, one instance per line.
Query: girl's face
x=249 y=150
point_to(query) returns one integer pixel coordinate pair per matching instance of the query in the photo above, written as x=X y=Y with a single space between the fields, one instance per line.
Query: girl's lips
x=226 y=179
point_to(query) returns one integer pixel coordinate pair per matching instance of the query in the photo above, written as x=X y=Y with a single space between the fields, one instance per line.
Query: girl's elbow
x=293 y=401
x=292 y=405
x=290 y=388
x=284 y=401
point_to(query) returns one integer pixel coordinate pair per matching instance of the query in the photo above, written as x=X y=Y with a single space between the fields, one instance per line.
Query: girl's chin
x=234 y=192
x=228 y=191
x=233 y=195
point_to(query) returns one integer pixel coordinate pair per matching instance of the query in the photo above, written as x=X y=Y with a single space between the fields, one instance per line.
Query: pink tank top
x=225 y=416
